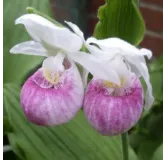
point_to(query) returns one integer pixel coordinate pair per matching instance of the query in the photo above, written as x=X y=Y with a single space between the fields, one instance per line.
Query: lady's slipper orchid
x=54 y=94
x=113 y=107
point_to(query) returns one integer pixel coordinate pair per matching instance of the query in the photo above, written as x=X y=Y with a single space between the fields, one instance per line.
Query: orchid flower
x=54 y=94
x=113 y=107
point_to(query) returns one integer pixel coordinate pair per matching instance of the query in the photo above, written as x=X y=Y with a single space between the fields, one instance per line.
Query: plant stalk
x=125 y=151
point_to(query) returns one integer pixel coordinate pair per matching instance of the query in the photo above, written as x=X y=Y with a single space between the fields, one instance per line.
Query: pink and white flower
x=113 y=106
x=54 y=94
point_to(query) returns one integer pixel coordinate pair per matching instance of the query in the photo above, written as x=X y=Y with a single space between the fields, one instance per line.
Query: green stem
x=125 y=146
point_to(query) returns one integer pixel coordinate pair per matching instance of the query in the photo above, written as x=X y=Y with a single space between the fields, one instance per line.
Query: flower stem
x=124 y=137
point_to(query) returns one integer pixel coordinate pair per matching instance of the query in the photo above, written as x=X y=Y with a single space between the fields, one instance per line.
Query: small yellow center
x=109 y=84
x=51 y=77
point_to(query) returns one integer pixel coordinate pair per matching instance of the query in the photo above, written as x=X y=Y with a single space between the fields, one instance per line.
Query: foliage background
x=75 y=140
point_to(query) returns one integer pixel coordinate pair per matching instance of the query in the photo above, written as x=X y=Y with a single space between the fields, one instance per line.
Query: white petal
x=113 y=46
x=135 y=70
x=25 y=19
x=29 y=48
x=104 y=55
x=142 y=68
x=75 y=29
x=95 y=66
x=32 y=22
x=46 y=32
x=118 y=64
x=108 y=43
x=146 y=52
x=54 y=64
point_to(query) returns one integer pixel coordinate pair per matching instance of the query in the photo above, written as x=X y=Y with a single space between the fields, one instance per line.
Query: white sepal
x=44 y=31
x=29 y=48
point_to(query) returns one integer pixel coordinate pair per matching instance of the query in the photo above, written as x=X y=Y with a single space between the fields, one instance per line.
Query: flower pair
x=113 y=100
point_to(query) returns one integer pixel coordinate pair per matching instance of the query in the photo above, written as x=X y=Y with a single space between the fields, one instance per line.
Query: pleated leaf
x=120 y=18
x=158 y=154
x=75 y=140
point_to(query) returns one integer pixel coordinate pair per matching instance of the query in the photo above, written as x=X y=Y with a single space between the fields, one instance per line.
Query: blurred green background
x=75 y=140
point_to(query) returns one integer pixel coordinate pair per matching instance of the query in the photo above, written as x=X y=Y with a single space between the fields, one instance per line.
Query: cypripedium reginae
x=114 y=98
x=113 y=107
x=54 y=94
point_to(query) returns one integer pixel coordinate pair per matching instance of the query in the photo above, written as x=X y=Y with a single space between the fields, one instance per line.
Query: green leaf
x=120 y=18
x=157 y=85
x=17 y=66
x=158 y=154
x=146 y=149
x=156 y=65
x=75 y=140
x=6 y=125
x=135 y=140
x=156 y=77
x=155 y=126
